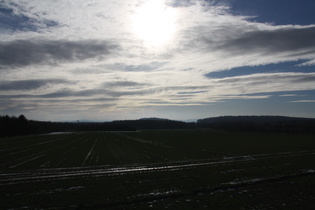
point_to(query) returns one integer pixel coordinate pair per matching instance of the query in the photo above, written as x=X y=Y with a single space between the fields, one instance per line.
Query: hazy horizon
x=180 y=60
x=157 y=118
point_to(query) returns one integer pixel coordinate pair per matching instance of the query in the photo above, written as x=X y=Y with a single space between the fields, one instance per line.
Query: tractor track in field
x=90 y=153
x=8 y=177
x=27 y=148
x=26 y=159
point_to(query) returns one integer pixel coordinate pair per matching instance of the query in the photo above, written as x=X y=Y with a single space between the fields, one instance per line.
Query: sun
x=154 y=22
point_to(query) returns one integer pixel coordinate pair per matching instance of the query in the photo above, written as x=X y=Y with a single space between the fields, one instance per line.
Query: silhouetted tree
x=12 y=126
x=22 y=125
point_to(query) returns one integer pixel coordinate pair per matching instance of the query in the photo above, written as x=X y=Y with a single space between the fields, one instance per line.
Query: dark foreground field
x=179 y=169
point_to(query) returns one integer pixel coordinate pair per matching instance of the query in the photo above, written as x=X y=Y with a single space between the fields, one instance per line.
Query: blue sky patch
x=277 y=12
x=13 y=22
x=270 y=68
x=10 y=21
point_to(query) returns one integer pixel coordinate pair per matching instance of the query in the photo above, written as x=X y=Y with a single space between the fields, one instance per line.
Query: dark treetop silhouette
x=12 y=126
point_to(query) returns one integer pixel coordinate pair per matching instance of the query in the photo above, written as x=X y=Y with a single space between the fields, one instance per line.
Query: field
x=174 y=169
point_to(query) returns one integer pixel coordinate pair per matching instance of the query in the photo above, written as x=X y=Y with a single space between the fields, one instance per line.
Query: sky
x=67 y=60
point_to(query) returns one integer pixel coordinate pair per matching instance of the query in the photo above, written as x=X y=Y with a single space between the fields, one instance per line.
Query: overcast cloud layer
x=126 y=59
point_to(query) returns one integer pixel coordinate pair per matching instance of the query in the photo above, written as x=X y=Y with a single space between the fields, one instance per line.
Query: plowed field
x=176 y=169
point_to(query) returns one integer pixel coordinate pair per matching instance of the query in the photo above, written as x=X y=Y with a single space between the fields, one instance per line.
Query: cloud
x=263 y=83
x=84 y=19
x=289 y=39
x=108 y=89
x=224 y=41
x=30 y=84
x=21 y=53
x=66 y=93
x=241 y=37
x=55 y=109
x=70 y=93
x=303 y=101
x=288 y=95
x=306 y=79
x=12 y=21
x=142 y=67
x=181 y=3
x=123 y=84
x=308 y=63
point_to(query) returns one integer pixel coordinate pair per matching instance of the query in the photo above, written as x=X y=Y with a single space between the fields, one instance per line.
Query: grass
x=209 y=169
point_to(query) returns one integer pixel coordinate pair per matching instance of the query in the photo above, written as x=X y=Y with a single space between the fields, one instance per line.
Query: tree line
x=13 y=126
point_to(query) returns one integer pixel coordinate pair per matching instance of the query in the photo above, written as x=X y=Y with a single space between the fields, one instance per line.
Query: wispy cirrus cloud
x=133 y=68
x=261 y=83
x=309 y=63
x=291 y=40
x=30 y=84
x=21 y=53
x=128 y=84
x=303 y=101
x=225 y=44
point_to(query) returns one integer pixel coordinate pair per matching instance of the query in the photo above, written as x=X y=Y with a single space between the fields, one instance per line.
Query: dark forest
x=13 y=126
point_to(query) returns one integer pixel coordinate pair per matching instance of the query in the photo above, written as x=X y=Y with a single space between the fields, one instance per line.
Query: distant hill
x=262 y=119
x=259 y=123
x=155 y=119
x=152 y=123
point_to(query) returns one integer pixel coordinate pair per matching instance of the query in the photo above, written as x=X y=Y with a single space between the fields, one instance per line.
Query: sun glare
x=154 y=22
